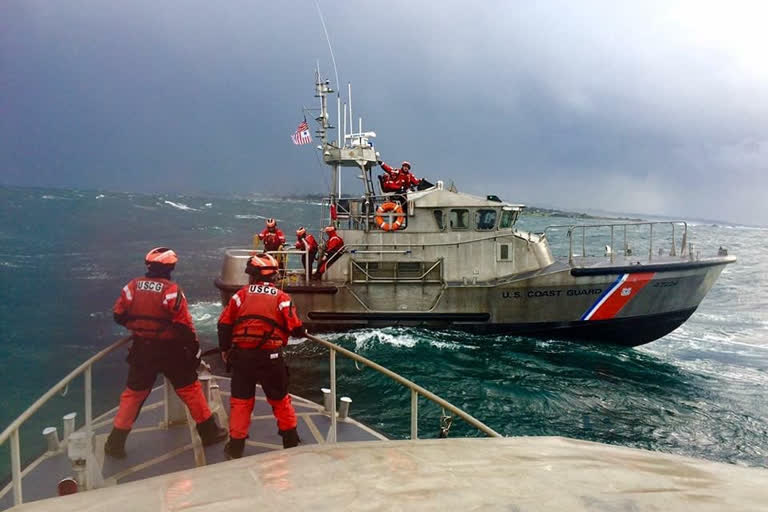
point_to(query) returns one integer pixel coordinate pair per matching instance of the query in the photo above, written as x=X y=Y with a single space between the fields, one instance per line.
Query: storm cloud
x=653 y=107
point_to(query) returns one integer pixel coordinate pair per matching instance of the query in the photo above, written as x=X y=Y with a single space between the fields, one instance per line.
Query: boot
x=290 y=437
x=210 y=432
x=115 y=445
x=234 y=448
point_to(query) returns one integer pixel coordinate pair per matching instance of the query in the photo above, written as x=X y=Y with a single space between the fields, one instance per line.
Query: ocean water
x=699 y=391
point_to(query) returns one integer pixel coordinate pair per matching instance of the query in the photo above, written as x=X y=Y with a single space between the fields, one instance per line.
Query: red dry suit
x=309 y=244
x=397 y=180
x=272 y=239
x=333 y=245
x=254 y=327
x=164 y=341
x=393 y=180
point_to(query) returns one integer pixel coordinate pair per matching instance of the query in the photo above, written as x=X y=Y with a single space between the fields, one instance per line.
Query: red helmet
x=162 y=256
x=261 y=264
x=330 y=230
x=301 y=232
x=404 y=165
x=271 y=223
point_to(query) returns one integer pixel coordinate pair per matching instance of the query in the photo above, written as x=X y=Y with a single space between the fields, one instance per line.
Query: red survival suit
x=164 y=341
x=333 y=245
x=307 y=243
x=397 y=180
x=272 y=239
x=255 y=325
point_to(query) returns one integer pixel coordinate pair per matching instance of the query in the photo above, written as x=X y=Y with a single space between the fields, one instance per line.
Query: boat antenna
x=328 y=39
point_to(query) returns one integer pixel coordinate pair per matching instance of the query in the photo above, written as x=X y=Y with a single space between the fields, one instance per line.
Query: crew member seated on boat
x=164 y=341
x=397 y=180
x=253 y=329
x=273 y=239
x=333 y=245
x=306 y=242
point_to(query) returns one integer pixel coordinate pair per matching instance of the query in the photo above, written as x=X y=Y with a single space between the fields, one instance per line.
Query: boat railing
x=577 y=235
x=395 y=271
x=237 y=258
x=360 y=213
x=86 y=370
x=415 y=389
x=12 y=431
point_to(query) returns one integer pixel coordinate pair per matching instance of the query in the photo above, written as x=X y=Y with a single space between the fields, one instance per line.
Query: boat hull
x=624 y=305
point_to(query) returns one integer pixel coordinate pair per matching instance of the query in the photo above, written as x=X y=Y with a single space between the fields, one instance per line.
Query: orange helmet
x=404 y=165
x=301 y=232
x=261 y=264
x=161 y=256
x=271 y=223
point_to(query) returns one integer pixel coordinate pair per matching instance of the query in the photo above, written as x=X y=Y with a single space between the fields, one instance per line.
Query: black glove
x=379 y=162
x=299 y=332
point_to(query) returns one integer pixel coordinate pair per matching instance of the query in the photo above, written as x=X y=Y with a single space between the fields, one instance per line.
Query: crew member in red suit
x=253 y=329
x=398 y=180
x=164 y=341
x=273 y=239
x=333 y=245
x=306 y=242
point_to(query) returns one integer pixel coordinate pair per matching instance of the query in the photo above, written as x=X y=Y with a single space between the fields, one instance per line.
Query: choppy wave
x=180 y=206
x=254 y=216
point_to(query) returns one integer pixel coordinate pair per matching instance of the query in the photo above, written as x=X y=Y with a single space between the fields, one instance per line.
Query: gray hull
x=625 y=305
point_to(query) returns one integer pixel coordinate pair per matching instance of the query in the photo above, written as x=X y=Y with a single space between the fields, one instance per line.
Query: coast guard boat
x=439 y=258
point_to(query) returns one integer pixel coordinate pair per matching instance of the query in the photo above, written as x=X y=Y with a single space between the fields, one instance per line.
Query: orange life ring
x=387 y=208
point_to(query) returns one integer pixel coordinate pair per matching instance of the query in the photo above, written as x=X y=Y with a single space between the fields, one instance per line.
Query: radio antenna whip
x=328 y=39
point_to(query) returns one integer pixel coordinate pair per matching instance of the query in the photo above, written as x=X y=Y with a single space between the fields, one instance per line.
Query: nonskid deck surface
x=522 y=473
x=154 y=449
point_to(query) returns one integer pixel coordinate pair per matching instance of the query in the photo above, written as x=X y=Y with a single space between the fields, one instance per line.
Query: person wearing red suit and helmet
x=273 y=239
x=398 y=180
x=306 y=242
x=155 y=310
x=333 y=245
x=253 y=329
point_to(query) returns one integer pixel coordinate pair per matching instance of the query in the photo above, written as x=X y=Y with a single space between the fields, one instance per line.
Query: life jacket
x=150 y=307
x=307 y=243
x=333 y=245
x=272 y=239
x=259 y=323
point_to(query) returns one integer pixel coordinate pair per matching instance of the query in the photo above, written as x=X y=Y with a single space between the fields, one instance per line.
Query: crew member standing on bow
x=273 y=239
x=164 y=341
x=306 y=242
x=332 y=247
x=253 y=329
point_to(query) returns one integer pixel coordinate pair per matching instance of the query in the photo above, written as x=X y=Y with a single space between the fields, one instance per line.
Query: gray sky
x=653 y=107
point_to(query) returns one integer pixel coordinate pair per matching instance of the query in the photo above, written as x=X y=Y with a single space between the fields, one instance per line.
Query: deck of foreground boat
x=523 y=473
x=155 y=449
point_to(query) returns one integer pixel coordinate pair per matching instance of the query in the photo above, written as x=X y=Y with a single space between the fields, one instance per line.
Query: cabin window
x=459 y=219
x=507 y=219
x=485 y=219
x=503 y=251
x=439 y=219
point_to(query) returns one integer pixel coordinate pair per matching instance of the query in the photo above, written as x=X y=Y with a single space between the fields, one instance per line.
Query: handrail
x=422 y=277
x=58 y=387
x=415 y=391
x=573 y=227
x=12 y=431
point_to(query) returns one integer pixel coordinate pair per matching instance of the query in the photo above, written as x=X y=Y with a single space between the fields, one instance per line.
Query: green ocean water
x=65 y=254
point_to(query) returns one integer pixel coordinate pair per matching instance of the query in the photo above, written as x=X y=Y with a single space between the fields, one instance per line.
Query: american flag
x=302 y=134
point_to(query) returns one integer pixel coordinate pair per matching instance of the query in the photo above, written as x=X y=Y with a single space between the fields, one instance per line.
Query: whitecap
x=100 y=196
x=180 y=206
x=255 y=217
